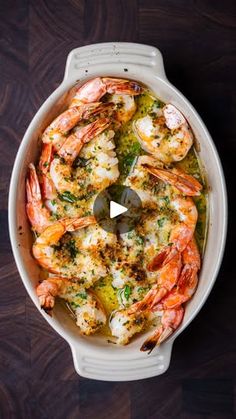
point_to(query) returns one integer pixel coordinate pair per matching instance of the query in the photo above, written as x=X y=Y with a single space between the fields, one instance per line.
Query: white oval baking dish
x=94 y=357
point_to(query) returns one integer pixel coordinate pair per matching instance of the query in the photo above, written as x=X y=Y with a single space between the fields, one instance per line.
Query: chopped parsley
x=82 y=295
x=127 y=292
x=166 y=199
x=139 y=240
x=71 y=247
x=161 y=222
x=68 y=197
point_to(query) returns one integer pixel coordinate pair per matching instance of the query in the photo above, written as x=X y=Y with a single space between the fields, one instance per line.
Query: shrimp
x=171 y=304
x=188 y=278
x=68 y=255
x=124 y=325
x=126 y=268
x=165 y=134
x=38 y=215
x=88 y=309
x=48 y=290
x=94 y=239
x=173 y=117
x=125 y=107
x=102 y=162
x=181 y=233
x=56 y=132
x=183 y=206
x=186 y=184
x=42 y=247
x=60 y=168
x=74 y=143
x=167 y=279
x=127 y=322
x=47 y=186
x=101 y=168
x=45 y=157
x=91 y=316
x=170 y=321
x=140 y=181
x=94 y=89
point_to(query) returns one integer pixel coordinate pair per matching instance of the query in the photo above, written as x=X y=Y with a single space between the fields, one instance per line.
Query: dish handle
x=120 y=367
x=114 y=57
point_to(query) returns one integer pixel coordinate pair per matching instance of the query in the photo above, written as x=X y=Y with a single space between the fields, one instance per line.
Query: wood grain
x=198 y=41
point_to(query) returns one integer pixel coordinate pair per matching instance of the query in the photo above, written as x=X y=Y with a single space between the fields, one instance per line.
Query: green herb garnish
x=82 y=295
x=127 y=292
x=71 y=247
x=161 y=222
x=68 y=197
x=139 y=240
x=166 y=199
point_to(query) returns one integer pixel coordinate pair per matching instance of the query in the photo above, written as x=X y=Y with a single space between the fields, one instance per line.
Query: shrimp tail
x=95 y=108
x=46 y=292
x=145 y=303
x=170 y=255
x=47 y=187
x=32 y=185
x=186 y=276
x=163 y=257
x=187 y=285
x=45 y=158
x=120 y=86
x=95 y=88
x=170 y=320
x=38 y=216
x=181 y=236
x=156 y=339
x=79 y=222
x=184 y=183
x=73 y=144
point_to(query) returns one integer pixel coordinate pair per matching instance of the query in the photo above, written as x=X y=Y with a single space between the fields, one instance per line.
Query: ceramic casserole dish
x=93 y=356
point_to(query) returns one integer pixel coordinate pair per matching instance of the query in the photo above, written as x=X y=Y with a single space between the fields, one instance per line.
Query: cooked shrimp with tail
x=188 y=279
x=89 y=312
x=165 y=134
x=94 y=89
x=69 y=258
x=38 y=214
x=61 y=165
x=183 y=206
x=171 y=304
x=170 y=321
x=56 y=132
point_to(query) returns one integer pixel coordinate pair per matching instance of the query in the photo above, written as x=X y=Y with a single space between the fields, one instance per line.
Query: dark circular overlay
x=122 y=195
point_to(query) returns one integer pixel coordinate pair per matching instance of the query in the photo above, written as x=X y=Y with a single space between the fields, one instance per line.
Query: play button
x=117 y=209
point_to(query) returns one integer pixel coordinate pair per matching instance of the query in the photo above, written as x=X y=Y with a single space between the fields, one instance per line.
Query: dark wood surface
x=198 y=41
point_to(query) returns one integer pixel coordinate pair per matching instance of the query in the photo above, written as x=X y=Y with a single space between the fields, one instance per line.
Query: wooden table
x=197 y=39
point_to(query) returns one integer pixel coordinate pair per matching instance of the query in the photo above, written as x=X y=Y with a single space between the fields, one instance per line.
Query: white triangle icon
x=116 y=209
